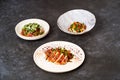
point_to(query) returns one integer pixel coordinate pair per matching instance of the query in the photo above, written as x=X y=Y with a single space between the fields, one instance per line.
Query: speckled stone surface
x=101 y=44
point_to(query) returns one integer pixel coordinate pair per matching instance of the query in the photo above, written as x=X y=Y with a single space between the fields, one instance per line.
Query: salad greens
x=32 y=29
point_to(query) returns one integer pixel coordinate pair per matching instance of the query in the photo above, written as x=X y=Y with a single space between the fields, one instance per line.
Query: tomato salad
x=32 y=29
x=77 y=27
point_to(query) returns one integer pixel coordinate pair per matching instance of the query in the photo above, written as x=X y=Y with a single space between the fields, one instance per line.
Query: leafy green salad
x=32 y=29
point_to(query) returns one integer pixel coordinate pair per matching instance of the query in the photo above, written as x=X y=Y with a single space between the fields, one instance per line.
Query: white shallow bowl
x=41 y=22
x=40 y=58
x=76 y=15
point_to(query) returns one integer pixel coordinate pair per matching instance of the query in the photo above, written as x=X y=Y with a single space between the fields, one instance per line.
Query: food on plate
x=58 y=55
x=32 y=29
x=77 y=27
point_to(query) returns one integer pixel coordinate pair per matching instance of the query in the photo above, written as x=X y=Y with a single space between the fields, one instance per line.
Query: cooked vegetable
x=77 y=27
x=32 y=29
x=58 y=55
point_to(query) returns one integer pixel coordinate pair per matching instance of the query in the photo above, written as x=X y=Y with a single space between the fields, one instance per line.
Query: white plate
x=40 y=59
x=41 y=22
x=76 y=15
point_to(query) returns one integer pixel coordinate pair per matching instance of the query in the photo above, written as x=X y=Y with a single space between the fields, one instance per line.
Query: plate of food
x=76 y=22
x=58 y=56
x=32 y=29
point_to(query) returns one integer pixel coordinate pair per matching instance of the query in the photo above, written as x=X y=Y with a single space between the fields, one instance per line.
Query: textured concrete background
x=101 y=44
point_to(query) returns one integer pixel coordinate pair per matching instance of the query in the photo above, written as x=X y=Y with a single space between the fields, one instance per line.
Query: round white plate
x=40 y=59
x=76 y=15
x=41 y=22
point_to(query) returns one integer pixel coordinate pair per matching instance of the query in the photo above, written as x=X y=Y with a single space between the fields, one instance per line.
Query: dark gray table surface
x=101 y=44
